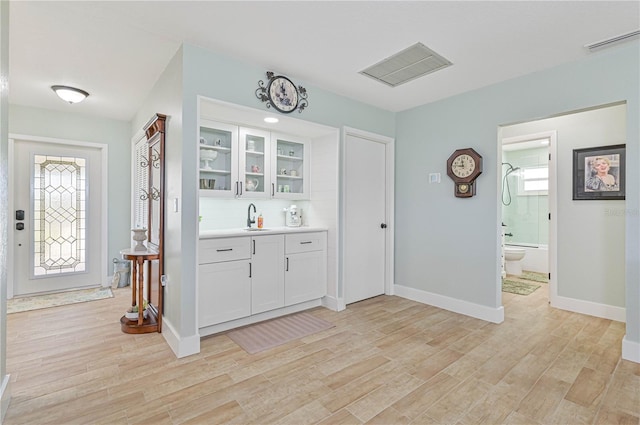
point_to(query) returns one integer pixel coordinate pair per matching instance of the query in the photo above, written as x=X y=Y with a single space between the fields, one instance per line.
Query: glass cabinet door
x=291 y=169
x=254 y=163
x=218 y=159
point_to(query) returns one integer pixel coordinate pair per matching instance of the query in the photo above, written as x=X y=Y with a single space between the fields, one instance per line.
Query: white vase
x=139 y=235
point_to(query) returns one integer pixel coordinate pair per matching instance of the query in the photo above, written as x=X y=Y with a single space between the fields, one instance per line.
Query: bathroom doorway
x=587 y=235
x=527 y=199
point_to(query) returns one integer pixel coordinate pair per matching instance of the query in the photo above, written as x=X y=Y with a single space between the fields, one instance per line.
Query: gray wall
x=166 y=98
x=449 y=246
x=116 y=134
x=591 y=234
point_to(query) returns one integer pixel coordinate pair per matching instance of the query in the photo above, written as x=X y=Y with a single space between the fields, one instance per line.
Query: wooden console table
x=153 y=321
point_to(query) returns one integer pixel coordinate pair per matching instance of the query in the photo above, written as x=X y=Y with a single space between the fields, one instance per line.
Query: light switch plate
x=434 y=178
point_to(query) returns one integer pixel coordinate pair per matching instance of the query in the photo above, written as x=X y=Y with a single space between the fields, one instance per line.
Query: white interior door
x=365 y=234
x=59 y=189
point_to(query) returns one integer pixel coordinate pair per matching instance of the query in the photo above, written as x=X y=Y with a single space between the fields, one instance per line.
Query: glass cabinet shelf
x=284 y=176
x=215 y=148
x=207 y=170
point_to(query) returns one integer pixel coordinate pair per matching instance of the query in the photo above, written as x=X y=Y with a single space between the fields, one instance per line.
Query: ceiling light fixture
x=70 y=94
x=271 y=120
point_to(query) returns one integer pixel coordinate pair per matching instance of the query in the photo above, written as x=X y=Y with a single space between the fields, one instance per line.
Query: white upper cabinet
x=291 y=172
x=241 y=162
x=218 y=159
x=255 y=160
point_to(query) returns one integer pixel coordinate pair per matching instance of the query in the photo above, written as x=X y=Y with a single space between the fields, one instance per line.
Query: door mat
x=516 y=287
x=535 y=276
x=17 y=305
x=272 y=333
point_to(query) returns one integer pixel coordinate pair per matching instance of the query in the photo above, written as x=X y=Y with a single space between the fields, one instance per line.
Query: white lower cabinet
x=225 y=292
x=267 y=273
x=243 y=276
x=306 y=267
x=224 y=282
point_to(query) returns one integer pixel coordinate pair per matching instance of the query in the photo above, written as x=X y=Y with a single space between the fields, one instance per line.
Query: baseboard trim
x=590 y=308
x=333 y=303
x=5 y=396
x=181 y=347
x=493 y=315
x=630 y=350
x=249 y=320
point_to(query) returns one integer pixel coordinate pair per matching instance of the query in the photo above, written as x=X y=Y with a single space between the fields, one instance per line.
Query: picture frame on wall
x=599 y=173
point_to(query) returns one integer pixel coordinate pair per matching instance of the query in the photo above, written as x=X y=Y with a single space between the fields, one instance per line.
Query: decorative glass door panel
x=59 y=215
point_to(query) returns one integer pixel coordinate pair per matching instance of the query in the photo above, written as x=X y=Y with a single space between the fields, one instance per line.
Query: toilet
x=513 y=260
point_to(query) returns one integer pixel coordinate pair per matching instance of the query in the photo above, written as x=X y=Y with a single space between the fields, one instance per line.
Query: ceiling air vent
x=611 y=41
x=404 y=66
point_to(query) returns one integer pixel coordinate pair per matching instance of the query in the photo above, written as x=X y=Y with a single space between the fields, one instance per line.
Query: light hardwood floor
x=387 y=361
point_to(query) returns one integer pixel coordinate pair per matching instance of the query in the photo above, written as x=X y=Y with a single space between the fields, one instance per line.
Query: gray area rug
x=272 y=333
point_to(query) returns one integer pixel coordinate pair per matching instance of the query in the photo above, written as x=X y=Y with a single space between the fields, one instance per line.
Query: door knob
x=383 y=225
x=19 y=226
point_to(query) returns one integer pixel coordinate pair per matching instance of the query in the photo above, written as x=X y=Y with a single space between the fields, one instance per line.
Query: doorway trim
x=104 y=242
x=552 y=135
x=389 y=143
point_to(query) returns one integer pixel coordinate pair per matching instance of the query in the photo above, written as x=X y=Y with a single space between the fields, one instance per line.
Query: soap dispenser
x=260 y=220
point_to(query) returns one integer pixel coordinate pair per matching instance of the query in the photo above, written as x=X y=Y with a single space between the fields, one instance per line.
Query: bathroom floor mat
x=518 y=287
x=535 y=276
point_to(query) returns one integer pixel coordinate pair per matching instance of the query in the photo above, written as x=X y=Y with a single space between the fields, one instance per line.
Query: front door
x=365 y=234
x=57 y=199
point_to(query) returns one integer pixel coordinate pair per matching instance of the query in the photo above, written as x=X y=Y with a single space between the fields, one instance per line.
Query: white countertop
x=227 y=233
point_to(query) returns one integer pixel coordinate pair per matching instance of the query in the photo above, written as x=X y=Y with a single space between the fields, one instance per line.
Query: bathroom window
x=534 y=181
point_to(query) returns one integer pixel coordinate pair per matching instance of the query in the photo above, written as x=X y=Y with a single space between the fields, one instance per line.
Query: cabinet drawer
x=305 y=242
x=225 y=249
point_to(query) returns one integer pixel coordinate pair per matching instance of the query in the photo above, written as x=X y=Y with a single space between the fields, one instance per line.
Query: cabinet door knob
x=383 y=225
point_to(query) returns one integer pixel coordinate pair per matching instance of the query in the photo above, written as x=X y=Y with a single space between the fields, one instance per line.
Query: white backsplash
x=232 y=213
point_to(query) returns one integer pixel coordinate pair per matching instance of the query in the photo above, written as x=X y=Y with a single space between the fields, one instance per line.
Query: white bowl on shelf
x=208 y=154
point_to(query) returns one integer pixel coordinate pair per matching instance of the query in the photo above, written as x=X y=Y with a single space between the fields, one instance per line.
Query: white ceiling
x=116 y=50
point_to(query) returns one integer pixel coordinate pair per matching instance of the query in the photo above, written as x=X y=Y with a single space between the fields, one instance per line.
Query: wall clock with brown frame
x=464 y=166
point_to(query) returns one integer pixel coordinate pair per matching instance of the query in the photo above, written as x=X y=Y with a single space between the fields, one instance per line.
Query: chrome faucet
x=249 y=220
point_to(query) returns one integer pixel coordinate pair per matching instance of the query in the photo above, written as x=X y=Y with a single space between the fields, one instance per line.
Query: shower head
x=511 y=168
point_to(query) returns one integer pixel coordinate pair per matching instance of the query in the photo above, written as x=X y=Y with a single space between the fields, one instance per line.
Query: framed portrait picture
x=599 y=173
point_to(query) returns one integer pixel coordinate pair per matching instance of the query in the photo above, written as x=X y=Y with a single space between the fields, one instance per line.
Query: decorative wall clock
x=280 y=92
x=464 y=166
